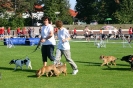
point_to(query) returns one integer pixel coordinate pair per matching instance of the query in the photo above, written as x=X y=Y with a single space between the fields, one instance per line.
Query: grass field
x=86 y=56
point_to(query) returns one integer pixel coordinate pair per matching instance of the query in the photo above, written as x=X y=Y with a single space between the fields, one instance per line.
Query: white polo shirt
x=63 y=34
x=45 y=32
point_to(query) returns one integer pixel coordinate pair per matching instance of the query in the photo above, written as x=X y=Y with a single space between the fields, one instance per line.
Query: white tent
x=108 y=27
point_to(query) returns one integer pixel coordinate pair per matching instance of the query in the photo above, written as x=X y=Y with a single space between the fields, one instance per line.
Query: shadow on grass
x=32 y=76
x=99 y=64
x=89 y=63
x=26 y=70
x=118 y=69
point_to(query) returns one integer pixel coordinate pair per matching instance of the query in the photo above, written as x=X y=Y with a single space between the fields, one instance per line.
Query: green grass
x=86 y=56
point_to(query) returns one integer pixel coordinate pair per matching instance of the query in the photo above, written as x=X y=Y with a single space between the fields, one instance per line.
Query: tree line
x=121 y=11
x=26 y=6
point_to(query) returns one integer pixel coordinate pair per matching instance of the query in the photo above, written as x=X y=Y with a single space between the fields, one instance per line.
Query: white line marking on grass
x=94 y=41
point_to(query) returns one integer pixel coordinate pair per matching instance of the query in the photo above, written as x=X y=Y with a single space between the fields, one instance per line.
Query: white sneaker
x=75 y=72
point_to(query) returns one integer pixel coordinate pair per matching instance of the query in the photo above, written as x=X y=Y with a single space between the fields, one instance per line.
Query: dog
x=108 y=59
x=129 y=59
x=126 y=58
x=61 y=69
x=45 y=69
x=131 y=62
x=20 y=63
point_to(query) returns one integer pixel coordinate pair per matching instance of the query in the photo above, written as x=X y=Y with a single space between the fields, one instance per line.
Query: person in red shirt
x=24 y=31
x=2 y=31
x=8 y=30
x=130 y=31
x=18 y=31
x=74 y=33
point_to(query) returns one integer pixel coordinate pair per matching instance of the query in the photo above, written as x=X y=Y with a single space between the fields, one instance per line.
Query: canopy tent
x=108 y=19
x=108 y=27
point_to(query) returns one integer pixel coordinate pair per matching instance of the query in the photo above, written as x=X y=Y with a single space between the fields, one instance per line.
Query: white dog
x=20 y=63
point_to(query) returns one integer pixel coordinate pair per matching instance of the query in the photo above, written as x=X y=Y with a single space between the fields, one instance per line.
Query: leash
x=32 y=51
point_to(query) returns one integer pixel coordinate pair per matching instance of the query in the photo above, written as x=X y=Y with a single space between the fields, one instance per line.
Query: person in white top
x=110 y=33
x=63 y=46
x=115 y=33
x=86 y=33
x=47 y=41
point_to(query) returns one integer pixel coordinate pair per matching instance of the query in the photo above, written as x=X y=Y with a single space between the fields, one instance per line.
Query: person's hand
x=43 y=40
x=64 y=40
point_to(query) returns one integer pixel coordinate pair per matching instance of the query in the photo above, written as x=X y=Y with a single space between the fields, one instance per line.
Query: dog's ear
x=102 y=56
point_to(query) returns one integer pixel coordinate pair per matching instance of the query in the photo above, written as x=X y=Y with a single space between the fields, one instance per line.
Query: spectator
x=8 y=30
x=24 y=32
x=102 y=35
x=110 y=33
x=29 y=32
x=86 y=33
x=18 y=31
x=40 y=30
x=74 y=33
x=115 y=33
x=91 y=33
x=2 y=31
x=130 y=31
x=120 y=33
x=32 y=32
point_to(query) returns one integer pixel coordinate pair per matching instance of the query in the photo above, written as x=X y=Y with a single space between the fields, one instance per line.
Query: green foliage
x=3 y=22
x=27 y=22
x=120 y=12
x=52 y=6
x=16 y=22
x=124 y=13
x=85 y=55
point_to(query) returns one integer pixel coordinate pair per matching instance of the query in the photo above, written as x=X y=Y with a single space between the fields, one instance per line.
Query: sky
x=72 y=3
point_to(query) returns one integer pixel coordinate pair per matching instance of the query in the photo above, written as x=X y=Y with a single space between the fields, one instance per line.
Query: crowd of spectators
x=87 y=33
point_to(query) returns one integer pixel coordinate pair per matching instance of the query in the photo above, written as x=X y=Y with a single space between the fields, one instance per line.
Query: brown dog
x=45 y=69
x=61 y=69
x=108 y=59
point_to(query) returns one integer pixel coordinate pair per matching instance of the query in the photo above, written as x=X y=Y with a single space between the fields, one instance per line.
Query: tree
x=61 y=6
x=124 y=12
x=119 y=10
x=94 y=9
x=85 y=10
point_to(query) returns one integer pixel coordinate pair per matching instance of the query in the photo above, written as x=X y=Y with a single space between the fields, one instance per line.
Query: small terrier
x=20 y=63
x=61 y=69
x=108 y=59
x=45 y=69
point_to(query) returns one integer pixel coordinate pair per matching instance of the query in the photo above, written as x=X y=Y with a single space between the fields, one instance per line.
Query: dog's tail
x=117 y=58
x=65 y=64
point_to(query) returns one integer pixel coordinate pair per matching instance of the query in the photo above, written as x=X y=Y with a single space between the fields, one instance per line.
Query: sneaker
x=75 y=72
